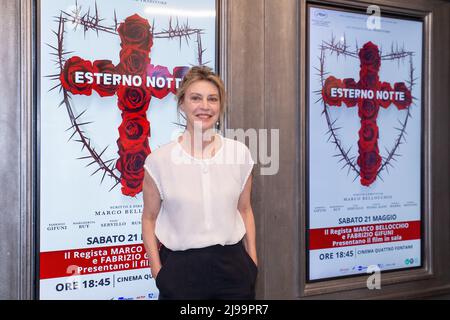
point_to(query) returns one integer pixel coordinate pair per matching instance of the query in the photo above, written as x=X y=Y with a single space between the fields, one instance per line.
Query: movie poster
x=364 y=143
x=108 y=73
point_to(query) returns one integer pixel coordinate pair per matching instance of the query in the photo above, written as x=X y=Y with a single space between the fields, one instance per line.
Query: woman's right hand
x=155 y=272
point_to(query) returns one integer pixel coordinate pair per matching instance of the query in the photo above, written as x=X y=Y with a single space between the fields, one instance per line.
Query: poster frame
x=334 y=284
x=35 y=7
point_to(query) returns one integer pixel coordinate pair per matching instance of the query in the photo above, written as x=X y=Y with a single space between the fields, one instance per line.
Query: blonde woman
x=197 y=203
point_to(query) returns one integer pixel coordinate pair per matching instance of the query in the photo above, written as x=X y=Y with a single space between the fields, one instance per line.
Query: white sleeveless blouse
x=199 y=196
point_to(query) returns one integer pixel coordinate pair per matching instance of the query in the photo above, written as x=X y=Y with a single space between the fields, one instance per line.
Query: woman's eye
x=214 y=99
x=195 y=98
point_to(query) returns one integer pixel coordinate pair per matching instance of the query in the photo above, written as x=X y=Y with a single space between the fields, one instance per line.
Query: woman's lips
x=203 y=116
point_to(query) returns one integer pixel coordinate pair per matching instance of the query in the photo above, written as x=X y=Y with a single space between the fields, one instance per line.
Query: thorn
x=100 y=155
x=104 y=175
x=108 y=161
x=349 y=150
x=318 y=100
x=80 y=114
x=90 y=164
x=96 y=171
x=72 y=136
x=114 y=186
x=53 y=88
x=84 y=123
x=83 y=158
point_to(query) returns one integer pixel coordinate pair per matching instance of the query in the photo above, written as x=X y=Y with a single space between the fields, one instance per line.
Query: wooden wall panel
x=245 y=86
x=281 y=107
x=10 y=145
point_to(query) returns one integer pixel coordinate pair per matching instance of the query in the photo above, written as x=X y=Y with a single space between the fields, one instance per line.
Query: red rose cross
x=369 y=160
x=133 y=100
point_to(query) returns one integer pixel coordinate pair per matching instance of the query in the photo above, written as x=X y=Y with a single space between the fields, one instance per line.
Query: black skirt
x=211 y=273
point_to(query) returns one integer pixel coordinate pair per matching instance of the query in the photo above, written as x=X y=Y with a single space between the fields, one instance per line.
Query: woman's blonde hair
x=199 y=73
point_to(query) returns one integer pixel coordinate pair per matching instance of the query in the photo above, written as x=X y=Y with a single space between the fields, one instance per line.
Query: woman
x=197 y=203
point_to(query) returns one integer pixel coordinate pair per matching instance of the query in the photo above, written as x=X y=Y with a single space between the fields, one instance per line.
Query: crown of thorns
x=341 y=48
x=90 y=20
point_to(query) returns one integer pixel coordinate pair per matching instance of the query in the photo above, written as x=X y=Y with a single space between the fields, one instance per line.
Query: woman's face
x=201 y=105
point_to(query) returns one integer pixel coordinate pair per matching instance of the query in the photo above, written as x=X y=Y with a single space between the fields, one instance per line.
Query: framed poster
x=108 y=72
x=364 y=143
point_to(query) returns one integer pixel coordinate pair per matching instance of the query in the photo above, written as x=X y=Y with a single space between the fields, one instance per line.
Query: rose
x=369 y=78
x=401 y=87
x=67 y=77
x=131 y=166
x=367 y=178
x=131 y=187
x=133 y=99
x=368 y=135
x=136 y=32
x=370 y=56
x=125 y=147
x=330 y=83
x=178 y=73
x=133 y=61
x=350 y=84
x=369 y=162
x=105 y=67
x=134 y=129
x=368 y=109
x=385 y=86
x=156 y=72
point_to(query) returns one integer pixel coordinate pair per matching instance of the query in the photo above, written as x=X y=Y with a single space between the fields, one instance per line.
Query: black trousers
x=211 y=273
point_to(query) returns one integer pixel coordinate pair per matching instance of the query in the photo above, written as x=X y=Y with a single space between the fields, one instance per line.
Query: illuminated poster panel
x=108 y=73
x=364 y=143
